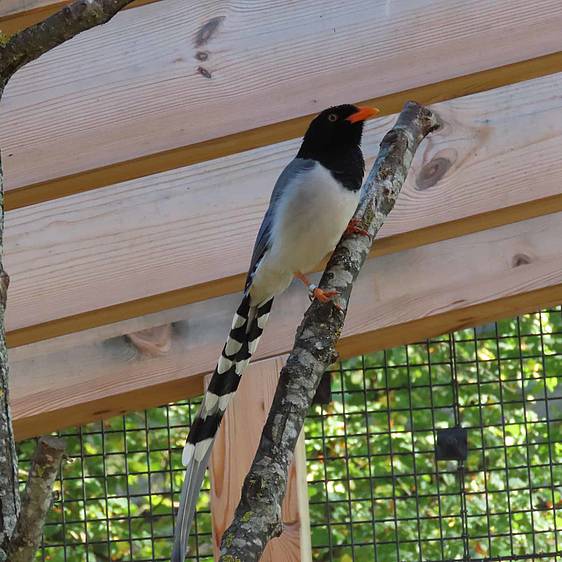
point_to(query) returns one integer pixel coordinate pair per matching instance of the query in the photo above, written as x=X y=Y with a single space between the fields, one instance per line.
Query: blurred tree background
x=376 y=491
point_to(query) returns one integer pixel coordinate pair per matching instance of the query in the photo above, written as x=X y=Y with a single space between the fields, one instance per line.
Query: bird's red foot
x=316 y=293
x=354 y=228
x=322 y=295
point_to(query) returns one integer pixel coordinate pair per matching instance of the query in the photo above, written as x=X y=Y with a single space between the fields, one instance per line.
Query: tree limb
x=258 y=515
x=9 y=496
x=36 y=500
x=29 y=44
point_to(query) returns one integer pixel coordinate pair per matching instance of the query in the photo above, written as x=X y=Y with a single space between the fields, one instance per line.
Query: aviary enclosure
x=138 y=160
x=375 y=488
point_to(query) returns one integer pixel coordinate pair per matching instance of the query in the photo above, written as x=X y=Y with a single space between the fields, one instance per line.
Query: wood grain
x=398 y=298
x=186 y=235
x=11 y=7
x=276 y=132
x=16 y=15
x=175 y=73
x=233 y=452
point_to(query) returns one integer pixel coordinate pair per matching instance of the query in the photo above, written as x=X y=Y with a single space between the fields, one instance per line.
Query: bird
x=311 y=206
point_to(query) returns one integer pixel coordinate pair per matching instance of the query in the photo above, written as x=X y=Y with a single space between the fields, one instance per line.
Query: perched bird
x=311 y=206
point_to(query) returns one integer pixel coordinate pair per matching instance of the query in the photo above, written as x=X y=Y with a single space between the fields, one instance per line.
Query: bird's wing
x=292 y=170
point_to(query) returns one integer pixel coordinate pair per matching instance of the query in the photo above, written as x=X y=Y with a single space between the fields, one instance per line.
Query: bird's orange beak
x=363 y=113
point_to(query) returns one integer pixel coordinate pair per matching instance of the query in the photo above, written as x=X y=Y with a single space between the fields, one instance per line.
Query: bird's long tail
x=246 y=330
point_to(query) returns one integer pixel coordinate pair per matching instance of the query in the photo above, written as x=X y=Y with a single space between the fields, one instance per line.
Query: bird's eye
x=332 y=117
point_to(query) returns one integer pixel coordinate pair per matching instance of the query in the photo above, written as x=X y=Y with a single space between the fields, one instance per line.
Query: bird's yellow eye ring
x=332 y=117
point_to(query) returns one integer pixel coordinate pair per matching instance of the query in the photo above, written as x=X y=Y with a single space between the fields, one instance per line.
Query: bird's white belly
x=308 y=224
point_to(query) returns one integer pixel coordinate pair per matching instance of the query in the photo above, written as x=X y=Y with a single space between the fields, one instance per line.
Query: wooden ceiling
x=140 y=156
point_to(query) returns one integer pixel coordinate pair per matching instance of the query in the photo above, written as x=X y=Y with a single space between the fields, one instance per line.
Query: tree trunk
x=9 y=498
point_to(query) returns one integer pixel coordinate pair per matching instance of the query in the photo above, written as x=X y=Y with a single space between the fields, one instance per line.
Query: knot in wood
x=433 y=172
x=520 y=259
x=207 y=30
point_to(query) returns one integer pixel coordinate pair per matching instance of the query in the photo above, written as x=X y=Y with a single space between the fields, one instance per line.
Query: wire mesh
x=377 y=492
x=376 y=489
x=116 y=494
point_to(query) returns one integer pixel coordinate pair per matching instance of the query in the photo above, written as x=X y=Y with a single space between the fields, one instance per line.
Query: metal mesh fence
x=115 y=497
x=377 y=492
x=376 y=489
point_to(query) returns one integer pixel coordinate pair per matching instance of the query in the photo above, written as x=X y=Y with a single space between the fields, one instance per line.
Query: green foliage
x=375 y=489
x=116 y=498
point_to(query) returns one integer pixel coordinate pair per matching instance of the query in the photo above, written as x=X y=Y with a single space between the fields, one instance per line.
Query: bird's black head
x=335 y=131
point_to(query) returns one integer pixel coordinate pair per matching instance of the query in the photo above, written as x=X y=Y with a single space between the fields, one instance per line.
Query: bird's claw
x=354 y=228
x=318 y=294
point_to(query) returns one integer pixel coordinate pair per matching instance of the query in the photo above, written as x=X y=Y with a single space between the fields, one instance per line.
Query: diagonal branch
x=36 y=500
x=29 y=44
x=258 y=515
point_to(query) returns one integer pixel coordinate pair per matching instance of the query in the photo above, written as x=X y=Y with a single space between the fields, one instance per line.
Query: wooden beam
x=16 y=15
x=277 y=132
x=398 y=298
x=12 y=7
x=233 y=452
x=186 y=235
x=111 y=99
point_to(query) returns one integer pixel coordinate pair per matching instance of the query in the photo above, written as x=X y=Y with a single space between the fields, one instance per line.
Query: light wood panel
x=232 y=456
x=186 y=235
x=277 y=132
x=11 y=7
x=16 y=15
x=248 y=140
x=398 y=298
x=174 y=73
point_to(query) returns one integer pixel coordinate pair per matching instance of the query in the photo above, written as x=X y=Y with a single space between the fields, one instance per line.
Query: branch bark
x=31 y=43
x=258 y=515
x=9 y=498
x=21 y=529
x=37 y=499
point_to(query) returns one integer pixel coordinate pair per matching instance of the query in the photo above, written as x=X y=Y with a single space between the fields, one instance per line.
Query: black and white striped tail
x=247 y=327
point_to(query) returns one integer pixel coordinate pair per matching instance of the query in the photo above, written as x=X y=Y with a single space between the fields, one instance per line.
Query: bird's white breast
x=310 y=218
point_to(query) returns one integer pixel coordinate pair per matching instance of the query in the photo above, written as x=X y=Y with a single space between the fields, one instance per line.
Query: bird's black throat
x=346 y=164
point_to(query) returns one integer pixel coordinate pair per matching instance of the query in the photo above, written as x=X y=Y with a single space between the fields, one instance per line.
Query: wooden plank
x=16 y=15
x=277 y=132
x=193 y=75
x=398 y=298
x=233 y=453
x=11 y=7
x=186 y=235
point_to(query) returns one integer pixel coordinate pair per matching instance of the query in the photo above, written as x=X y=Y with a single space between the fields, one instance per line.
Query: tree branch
x=36 y=500
x=258 y=515
x=29 y=44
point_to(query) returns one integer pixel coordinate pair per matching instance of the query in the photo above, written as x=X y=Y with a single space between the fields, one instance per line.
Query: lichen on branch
x=37 y=499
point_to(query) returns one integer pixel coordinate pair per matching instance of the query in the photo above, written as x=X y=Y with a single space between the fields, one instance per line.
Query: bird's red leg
x=354 y=228
x=316 y=293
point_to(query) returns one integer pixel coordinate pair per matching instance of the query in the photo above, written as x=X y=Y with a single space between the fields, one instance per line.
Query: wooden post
x=233 y=452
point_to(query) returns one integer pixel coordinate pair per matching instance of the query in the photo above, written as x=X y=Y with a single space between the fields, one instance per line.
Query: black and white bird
x=311 y=206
